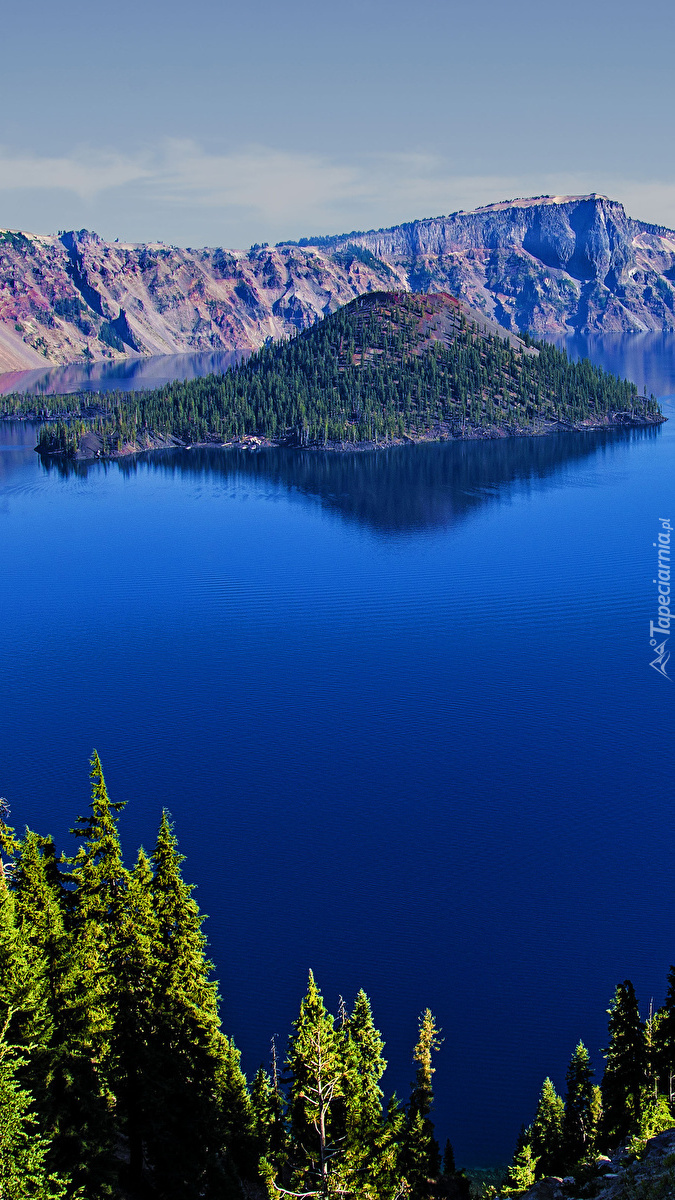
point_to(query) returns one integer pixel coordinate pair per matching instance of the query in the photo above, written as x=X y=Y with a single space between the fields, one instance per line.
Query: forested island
x=387 y=368
x=117 y=1080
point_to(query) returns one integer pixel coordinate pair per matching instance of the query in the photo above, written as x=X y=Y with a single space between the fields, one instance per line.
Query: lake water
x=127 y=375
x=401 y=708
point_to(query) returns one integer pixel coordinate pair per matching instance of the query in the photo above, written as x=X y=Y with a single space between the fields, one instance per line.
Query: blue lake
x=127 y=375
x=401 y=709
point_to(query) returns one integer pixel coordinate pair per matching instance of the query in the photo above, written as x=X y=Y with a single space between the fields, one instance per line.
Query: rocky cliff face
x=551 y=265
x=75 y=296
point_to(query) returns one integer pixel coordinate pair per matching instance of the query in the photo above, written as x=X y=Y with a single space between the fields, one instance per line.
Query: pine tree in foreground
x=421 y=1159
x=522 y=1172
x=64 y=1076
x=317 y=1078
x=184 y=1125
x=131 y=999
x=664 y=1042
x=24 y=1174
x=580 y=1118
x=361 y=1048
x=625 y=1072
x=546 y=1132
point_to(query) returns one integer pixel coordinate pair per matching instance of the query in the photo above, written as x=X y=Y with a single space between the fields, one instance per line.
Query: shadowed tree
x=625 y=1072
x=664 y=1041
x=24 y=1173
x=580 y=1116
x=185 y=1125
x=64 y=1075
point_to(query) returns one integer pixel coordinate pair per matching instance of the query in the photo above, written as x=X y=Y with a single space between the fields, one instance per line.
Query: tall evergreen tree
x=664 y=1039
x=362 y=1130
x=98 y=885
x=238 y=1119
x=185 y=1131
x=625 y=1072
x=546 y=1132
x=98 y=877
x=63 y=1075
x=522 y=1172
x=263 y=1110
x=365 y=1066
x=421 y=1155
x=580 y=1108
x=131 y=1000
x=24 y=1012
x=24 y=1173
x=268 y=1114
x=317 y=1076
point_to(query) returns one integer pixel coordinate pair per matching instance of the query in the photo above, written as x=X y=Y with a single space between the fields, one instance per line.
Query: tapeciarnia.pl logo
x=661 y=627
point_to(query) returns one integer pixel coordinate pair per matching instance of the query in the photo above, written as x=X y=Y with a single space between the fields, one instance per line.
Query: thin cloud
x=85 y=174
x=286 y=194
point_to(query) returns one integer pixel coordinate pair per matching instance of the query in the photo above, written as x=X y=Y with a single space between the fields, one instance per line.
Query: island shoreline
x=90 y=449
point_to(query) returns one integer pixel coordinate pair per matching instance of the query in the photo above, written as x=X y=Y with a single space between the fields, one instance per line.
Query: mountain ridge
x=552 y=265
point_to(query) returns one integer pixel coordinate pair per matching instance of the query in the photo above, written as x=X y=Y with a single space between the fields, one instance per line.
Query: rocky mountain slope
x=550 y=264
x=75 y=296
x=652 y=1177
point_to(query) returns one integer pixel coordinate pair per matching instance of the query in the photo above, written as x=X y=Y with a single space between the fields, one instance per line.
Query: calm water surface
x=400 y=706
x=127 y=375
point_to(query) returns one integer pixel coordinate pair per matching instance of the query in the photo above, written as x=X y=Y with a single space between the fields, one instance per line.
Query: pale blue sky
x=227 y=123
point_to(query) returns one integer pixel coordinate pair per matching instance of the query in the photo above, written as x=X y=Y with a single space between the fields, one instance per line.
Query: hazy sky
x=223 y=124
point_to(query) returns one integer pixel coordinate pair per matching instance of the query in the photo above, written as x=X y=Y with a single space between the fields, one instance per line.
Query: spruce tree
x=366 y=1066
x=361 y=1130
x=268 y=1114
x=64 y=1075
x=388 y=1147
x=421 y=1157
x=238 y=1118
x=98 y=885
x=664 y=1039
x=97 y=891
x=580 y=1108
x=453 y=1184
x=184 y=1124
x=625 y=1071
x=316 y=1074
x=24 y=1173
x=131 y=1000
x=24 y=1013
x=263 y=1110
x=522 y=1172
x=546 y=1131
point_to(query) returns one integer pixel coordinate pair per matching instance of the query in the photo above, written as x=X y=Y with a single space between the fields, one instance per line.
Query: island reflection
x=405 y=489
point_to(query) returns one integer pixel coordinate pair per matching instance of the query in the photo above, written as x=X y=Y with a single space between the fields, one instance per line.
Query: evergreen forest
x=117 y=1080
x=385 y=367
